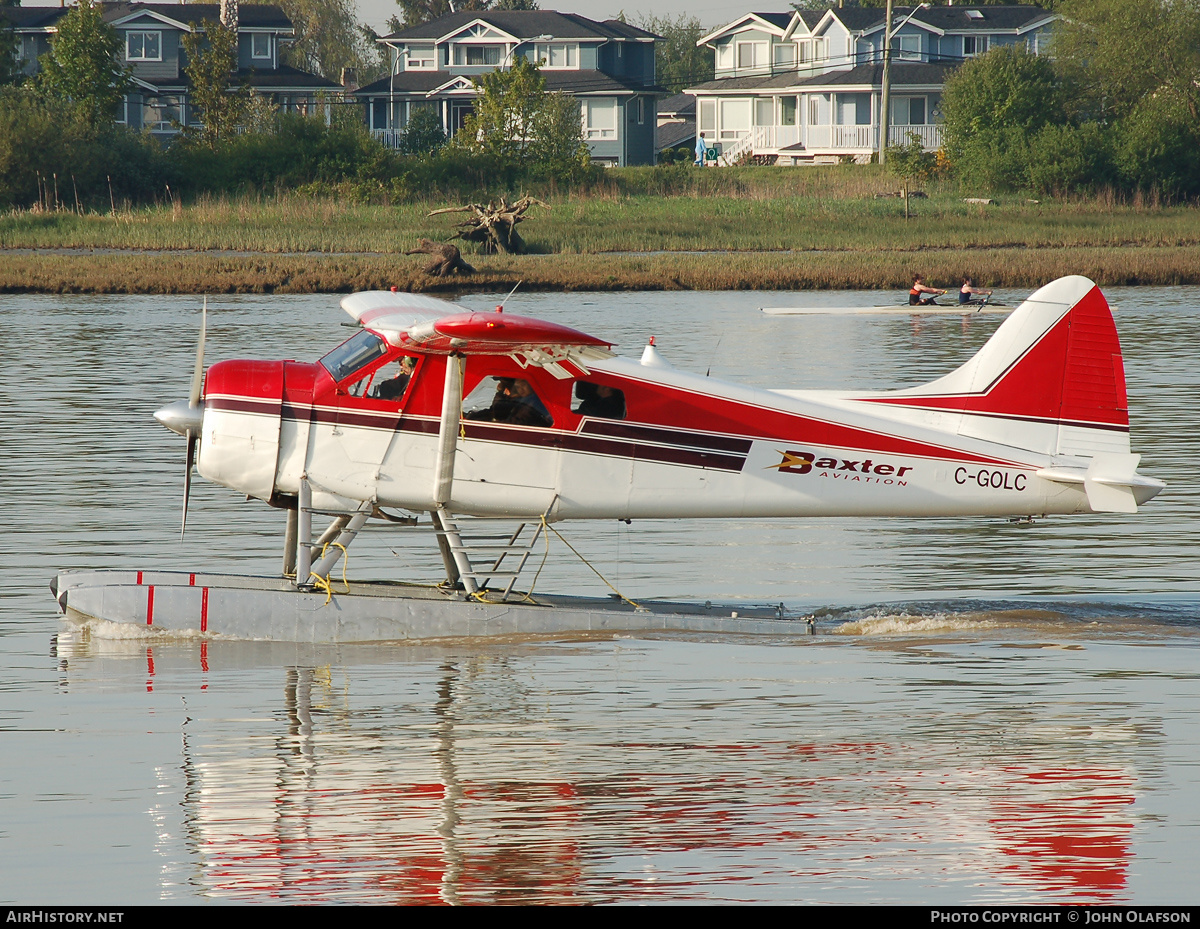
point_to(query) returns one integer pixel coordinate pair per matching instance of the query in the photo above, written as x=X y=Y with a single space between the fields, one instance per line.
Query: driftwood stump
x=446 y=258
x=495 y=225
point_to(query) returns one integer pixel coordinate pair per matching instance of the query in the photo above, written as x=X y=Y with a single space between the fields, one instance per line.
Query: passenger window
x=599 y=400
x=509 y=400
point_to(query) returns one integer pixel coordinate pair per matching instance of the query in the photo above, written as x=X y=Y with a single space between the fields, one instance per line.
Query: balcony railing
x=766 y=140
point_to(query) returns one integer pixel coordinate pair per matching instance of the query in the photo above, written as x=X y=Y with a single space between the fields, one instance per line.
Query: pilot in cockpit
x=600 y=400
x=393 y=389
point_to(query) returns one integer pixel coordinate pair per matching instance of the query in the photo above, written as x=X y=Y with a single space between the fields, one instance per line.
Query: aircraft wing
x=427 y=324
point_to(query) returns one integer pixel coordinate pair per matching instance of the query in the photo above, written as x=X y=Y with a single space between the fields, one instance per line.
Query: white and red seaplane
x=499 y=415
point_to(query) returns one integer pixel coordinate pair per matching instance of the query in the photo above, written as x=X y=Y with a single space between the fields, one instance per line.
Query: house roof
x=572 y=82
x=871 y=75
x=525 y=24
x=250 y=16
x=285 y=79
x=904 y=73
x=682 y=105
x=673 y=135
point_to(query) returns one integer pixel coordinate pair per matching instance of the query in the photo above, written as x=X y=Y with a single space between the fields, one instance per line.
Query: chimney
x=350 y=78
x=229 y=14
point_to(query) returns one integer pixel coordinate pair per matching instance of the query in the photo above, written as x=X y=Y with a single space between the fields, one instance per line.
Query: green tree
x=329 y=38
x=211 y=67
x=415 y=12
x=991 y=107
x=678 y=62
x=558 y=147
x=1117 y=53
x=506 y=110
x=83 y=64
x=424 y=133
x=9 y=70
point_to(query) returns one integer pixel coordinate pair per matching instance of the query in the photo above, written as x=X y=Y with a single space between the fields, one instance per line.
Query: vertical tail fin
x=1051 y=378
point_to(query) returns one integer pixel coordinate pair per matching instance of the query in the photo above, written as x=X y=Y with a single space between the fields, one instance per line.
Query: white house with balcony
x=806 y=87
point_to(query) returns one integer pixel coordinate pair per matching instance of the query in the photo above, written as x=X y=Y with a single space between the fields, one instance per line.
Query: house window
x=641 y=111
x=724 y=57
x=907 y=47
x=974 y=45
x=785 y=56
x=735 y=119
x=708 y=116
x=803 y=52
x=764 y=111
x=421 y=58
x=477 y=55
x=143 y=46
x=819 y=109
x=853 y=109
x=908 y=111
x=787 y=111
x=260 y=46
x=162 y=114
x=599 y=119
x=819 y=50
x=751 y=55
x=557 y=56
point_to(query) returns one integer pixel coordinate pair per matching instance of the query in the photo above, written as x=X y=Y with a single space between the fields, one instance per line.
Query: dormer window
x=974 y=45
x=421 y=58
x=557 y=55
x=907 y=47
x=260 y=46
x=751 y=55
x=785 y=56
x=143 y=46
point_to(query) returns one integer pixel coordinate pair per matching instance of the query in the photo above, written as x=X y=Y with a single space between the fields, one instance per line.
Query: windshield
x=354 y=355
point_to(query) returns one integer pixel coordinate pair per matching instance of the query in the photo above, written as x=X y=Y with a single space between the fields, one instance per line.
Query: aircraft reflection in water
x=441 y=807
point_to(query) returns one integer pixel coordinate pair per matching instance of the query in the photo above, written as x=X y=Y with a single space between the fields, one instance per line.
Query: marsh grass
x=174 y=272
x=679 y=227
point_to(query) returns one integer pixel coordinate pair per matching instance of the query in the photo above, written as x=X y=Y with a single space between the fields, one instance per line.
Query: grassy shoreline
x=174 y=273
x=762 y=230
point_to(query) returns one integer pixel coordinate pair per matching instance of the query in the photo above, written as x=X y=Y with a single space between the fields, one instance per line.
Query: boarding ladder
x=480 y=551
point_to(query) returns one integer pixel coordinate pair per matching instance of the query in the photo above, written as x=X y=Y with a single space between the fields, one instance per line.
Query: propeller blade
x=198 y=372
x=193 y=434
x=192 y=439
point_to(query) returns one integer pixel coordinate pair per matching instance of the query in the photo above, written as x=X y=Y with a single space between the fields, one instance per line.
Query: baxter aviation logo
x=805 y=462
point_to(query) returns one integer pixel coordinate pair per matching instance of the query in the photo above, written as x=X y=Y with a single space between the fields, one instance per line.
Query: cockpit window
x=354 y=355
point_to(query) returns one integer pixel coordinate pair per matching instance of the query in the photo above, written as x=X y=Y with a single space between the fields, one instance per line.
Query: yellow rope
x=322 y=583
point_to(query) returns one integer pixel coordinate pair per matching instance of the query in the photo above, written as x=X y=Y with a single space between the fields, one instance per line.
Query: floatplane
x=479 y=417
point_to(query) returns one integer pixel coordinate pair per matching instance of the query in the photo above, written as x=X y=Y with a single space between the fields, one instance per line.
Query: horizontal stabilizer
x=1111 y=482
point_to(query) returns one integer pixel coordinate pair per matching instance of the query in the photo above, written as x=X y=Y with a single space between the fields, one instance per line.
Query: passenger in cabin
x=600 y=400
x=969 y=291
x=394 y=388
x=527 y=407
x=501 y=406
x=919 y=287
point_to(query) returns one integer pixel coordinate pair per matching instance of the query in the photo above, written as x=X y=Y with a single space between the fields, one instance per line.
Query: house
x=607 y=66
x=806 y=87
x=152 y=47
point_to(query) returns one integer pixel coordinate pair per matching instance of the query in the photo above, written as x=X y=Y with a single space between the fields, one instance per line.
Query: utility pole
x=885 y=95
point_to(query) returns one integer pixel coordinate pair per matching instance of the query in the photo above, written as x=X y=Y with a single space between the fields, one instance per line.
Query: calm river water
x=988 y=713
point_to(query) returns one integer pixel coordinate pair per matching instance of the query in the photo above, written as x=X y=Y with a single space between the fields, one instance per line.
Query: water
x=989 y=713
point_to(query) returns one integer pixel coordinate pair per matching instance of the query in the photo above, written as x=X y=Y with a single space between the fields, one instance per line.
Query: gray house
x=805 y=87
x=152 y=46
x=608 y=67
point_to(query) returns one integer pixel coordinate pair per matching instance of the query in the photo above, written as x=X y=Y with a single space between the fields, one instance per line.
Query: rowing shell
x=931 y=309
